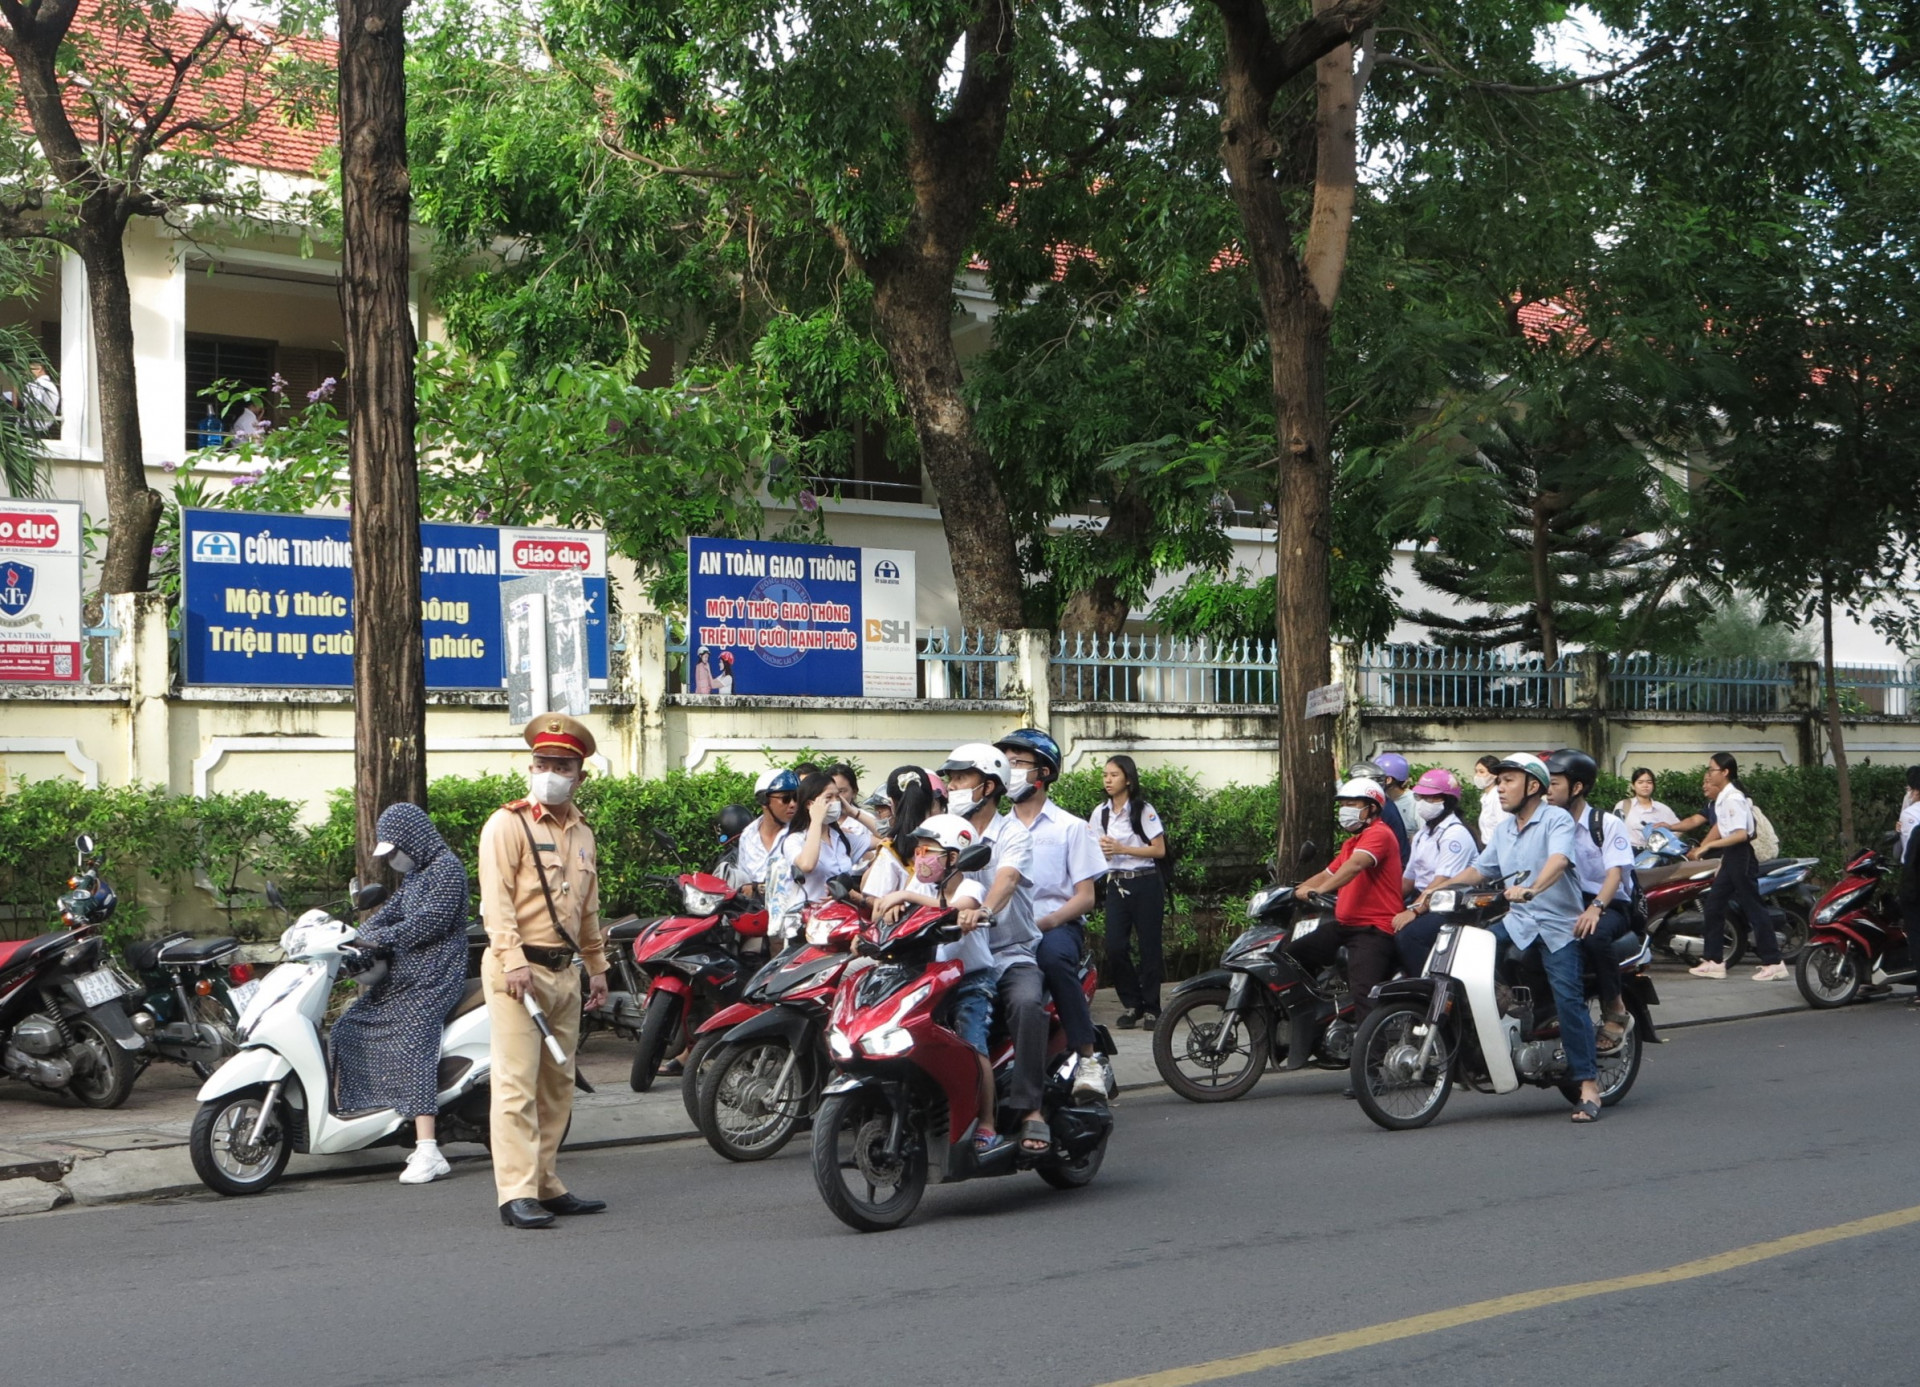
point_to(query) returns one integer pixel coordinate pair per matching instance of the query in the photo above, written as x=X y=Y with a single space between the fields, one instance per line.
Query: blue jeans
x=973 y=1008
x=1569 y=1000
x=1058 y=955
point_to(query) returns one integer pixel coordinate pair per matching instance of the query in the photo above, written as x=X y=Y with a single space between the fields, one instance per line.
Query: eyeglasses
x=783 y=799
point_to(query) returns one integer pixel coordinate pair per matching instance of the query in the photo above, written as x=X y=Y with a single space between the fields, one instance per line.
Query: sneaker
x=1093 y=1078
x=1127 y=1020
x=1772 y=972
x=1708 y=968
x=1149 y=1020
x=424 y=1166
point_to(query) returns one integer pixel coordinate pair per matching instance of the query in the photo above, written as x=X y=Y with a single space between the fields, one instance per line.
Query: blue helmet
x=776 y=782
x=1043 y=747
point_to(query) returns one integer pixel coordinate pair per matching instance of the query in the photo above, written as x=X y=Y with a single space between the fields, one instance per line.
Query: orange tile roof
x=123 y=61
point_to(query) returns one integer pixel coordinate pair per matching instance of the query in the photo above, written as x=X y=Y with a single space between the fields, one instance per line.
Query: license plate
x=242 y=994
x=98 y=986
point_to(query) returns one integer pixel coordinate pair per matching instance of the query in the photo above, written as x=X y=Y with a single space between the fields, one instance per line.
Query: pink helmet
x=1438 y=781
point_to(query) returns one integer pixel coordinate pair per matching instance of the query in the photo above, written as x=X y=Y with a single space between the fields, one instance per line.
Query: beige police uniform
x=532 y=1095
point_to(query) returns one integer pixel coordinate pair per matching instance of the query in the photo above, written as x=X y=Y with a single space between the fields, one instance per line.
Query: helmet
x=1367 y=770
x=1438 y=781
x=726 y=657
x=1575 y=765
x=776 y=782
x=1040 y=744
x=1394 y=764
x=734 y=820
x=949 y=831
x=990 y=761
x=1527 y=764
x=1362 y=788
x=704 y=650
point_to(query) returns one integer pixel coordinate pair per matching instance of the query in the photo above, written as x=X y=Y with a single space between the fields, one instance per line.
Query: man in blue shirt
x=1538 y=839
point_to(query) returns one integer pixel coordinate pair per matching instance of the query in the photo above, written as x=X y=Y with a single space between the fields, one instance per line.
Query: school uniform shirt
x=1551 y=915
x=1065 y=853
x=1441 y=849
x=834 y=859
x=1733 y=812
x=1014 y=936
x=754 y=852
x=1117 y=824
x=1372 y=899
x=1638 y=820
x=1592 y=863
x=860 y=838
x=887 y=873
x=972 y=950
x=1491 y=814
x=1909 y=821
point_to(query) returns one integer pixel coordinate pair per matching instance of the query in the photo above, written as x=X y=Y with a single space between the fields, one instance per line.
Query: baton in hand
x=532 y=1004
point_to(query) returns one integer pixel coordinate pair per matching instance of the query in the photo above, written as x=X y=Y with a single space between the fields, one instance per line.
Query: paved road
x=1212 y=1232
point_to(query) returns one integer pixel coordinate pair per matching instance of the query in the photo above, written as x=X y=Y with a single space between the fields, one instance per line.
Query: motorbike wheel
x=217 y=1145
x=1185 y=1053
x=1617 y=1071
x=699 y=1060
x=741 y=1116
x=850 y=1167
x=657 y=1030
x=103 y=1073
x=1795 y=927
x=1389 y=1090
x=1073 y=1175
x=1828 y=975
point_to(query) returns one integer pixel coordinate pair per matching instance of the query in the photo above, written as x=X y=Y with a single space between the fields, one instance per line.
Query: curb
x=37 y=1185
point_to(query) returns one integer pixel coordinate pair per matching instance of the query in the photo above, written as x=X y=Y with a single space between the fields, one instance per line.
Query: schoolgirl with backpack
x=1135 y=843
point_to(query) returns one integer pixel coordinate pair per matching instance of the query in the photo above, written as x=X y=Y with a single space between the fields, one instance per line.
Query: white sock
x=430 y=1146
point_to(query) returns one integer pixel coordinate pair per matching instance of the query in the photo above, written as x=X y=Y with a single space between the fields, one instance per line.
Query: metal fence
x=1431 y=676
x=1163 y=669
x=1892 y=690
x=1659 y=683
x=970 y=664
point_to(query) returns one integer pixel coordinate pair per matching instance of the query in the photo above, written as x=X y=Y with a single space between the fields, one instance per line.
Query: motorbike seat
x=183 y=949
x=1772 y=865
x=145 y=955
x=18 y=952
x=472 y=999
x=627 y=930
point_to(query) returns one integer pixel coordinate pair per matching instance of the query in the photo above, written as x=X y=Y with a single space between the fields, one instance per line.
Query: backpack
x=1766 y=841
x=1165 y=861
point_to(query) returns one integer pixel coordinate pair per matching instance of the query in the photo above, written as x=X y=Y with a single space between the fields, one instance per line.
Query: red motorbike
x=693 y=963
x=1858 y=938
x=758 y=1067
x=906 y=1099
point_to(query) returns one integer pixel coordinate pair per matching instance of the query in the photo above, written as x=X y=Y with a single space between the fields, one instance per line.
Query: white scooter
x=271 y=1099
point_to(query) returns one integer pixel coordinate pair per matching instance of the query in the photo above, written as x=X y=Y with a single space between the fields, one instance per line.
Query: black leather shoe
x=572 y=1204
x=525 y=1213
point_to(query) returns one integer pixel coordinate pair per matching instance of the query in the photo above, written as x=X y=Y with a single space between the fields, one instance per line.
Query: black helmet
x=734 y=820
x=1044 y=748
x=1578 y=767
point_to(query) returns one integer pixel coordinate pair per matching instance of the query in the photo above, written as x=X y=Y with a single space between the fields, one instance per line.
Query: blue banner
x=804 y=619
x=267 y=600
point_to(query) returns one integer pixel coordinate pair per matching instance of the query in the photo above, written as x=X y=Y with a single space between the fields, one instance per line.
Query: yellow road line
x=1415 y=1325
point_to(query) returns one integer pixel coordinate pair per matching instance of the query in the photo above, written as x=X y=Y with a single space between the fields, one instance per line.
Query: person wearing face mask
x=1396 y=825
x=815 y=846
x=855 y=821
x=1364 y=880
x=540 y=902
x=386 y=1046
x=1444 y=846
x=774 y=792
x=1907 y=852
x=911 y=804
x=1485 y=772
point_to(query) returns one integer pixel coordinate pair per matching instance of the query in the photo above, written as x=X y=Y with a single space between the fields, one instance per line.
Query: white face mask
x=833 y=811
x=550 y=787
x=1351 y=816
x=401 y=863
x=963 y=802
x=1020 y=785
x=1483 y=781
x=1429 y=809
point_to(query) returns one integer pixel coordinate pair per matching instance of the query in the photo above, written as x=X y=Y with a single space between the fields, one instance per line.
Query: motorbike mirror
x=274 y=898
x=84 y=844
x=1309 y=851
x=367 y=897
x=974 y=858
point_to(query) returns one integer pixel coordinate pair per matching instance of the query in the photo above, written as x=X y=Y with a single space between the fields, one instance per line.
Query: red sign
x=560 y=554
x=53 y=661
x=23 y=531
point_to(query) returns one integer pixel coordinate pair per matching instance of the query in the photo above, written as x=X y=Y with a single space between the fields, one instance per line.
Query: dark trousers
x=1371 y=958
x=1059 y=954
x=1024 y=1005
x=1616 y=922
x=1737 y=881
x=1415 y=942
x=1136 y=907
x=1910 y=918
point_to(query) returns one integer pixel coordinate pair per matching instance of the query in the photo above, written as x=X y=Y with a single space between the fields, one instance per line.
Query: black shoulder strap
x=1106 y=817
x=545 y=890
x=1135 y=809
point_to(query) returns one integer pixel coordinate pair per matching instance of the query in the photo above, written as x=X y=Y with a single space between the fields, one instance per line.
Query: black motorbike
x=1222 y=1029
x=64 y=1023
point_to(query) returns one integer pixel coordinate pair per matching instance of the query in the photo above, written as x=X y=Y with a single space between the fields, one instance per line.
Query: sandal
x=1036 y=1137
x=986 y=1141
x=1612 y=1034
x=1587 y=1112
x=672 y=1069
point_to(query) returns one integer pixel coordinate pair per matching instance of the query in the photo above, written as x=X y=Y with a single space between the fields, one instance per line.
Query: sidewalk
x=53 y=1152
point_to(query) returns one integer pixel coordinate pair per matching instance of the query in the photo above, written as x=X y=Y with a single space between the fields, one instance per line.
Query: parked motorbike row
x=785 y=1017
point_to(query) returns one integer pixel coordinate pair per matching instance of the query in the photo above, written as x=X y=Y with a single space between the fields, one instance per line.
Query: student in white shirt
x=1907 y=853
x=1603 y=866
x=775 y=793
x=1486 y=772
x=1135 y=842
x=1067 y=861
x=1443 y=847
x=857 y=823
x=814 y=845
x=911 y=803
x=1641 y=811
x=1732 y=837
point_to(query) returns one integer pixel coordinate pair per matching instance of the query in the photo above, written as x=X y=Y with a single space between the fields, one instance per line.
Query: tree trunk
x=1834 y=734
x=913 y=314
x=133 y=507
x=389 y=673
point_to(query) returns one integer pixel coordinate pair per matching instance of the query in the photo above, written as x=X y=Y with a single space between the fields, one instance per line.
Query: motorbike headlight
x=1306 y=927
x=838 y=1045
x=700 y=902
x=1840 y=905
x=888 y=1042
x=1445 y=902
x=1260 y=901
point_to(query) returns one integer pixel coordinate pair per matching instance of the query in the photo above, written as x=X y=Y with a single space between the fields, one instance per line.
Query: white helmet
x=980 y=756
x=1368 y=790
x=947 y=831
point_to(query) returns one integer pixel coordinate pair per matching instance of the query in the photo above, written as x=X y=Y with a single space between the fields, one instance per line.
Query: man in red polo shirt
x=1364 y=876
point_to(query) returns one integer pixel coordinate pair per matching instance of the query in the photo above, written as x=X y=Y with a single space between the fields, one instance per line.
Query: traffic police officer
x=540 y=902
